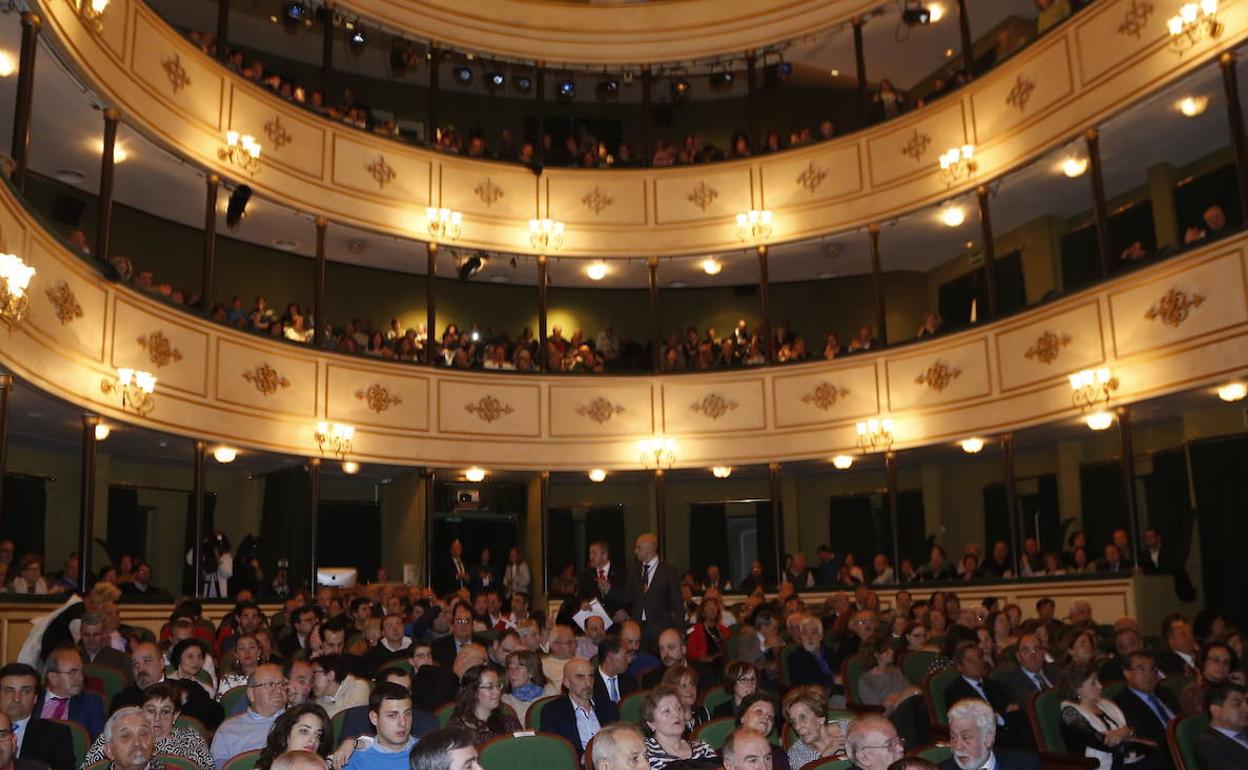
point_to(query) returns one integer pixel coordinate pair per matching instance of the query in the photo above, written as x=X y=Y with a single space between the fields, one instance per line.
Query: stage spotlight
x=462 y=75
x=237 y=207
x=608 y=88
x=914 y=14
x=295 y=12
x=721 y=80
x=774 y=73
x=680 y=88
x=565 y=90
x=522 y=83
x=494 y=81
x=472 y=265
x=355 y=36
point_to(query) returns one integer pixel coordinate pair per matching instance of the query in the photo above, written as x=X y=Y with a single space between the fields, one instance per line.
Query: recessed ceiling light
x=225 y=454
x=1191 y=106
x=1074 y=167
x=836 y=73
x=285 y=244
x=972 y=445
x=953 y=216
x=119 y=153
x=1099 y=420
x=721 y=471
x=677 y=284
x=499 y=279
x=8 y=64
x=70 y=176
x=162 y=444
x=712 y=266
x=350 y=467
x=475 y=475
x=596 y=270
x=949 y=53
x=357 y=245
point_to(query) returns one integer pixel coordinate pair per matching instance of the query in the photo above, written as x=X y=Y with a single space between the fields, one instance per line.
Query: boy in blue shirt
x=390 y=711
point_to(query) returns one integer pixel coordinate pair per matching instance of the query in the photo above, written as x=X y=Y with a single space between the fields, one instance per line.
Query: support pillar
x=877 y=273
x=431 y=304
x=86 y=507
x=314 y=506
x=751 y=99
x=1099 y=207
x=860 y=58
x=968 y=46
x=990 y=250
x=544 y=494
x=1235 y=116
x=197 y=557
x=1011 y=496
x=647 y=115
x=6 y=388
x=327 y=55
x=660 y=507
x=107 y=168
x=542 y=266
x=1127 y=464
x=31 y=22
x=541 y=114
x=209 y=263
x=223 y=30
x=894 y=517
x=429 y=477
x=777 y=518
x=656 y=328
x=764 y=305
x=431 y=133
x=318 y=289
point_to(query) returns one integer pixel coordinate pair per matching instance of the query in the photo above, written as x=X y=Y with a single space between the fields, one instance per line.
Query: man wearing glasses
x=8 y=748
x=872 y=743
x=1146 y=708
x=63 y=696
x=447 y=647
x=266 y=699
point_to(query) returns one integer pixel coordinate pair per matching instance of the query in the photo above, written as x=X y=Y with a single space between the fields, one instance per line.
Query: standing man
x=455 y=576
x=63 y=696
x=603 y=580
x=654 y=590
x=37 y=739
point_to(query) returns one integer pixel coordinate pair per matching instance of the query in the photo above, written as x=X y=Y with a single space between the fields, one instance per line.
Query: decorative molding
x=266 y=379
x=1136 y=19
x=938 y=376
x=277 y=133
x=159 y=349
x=1174 y=307
x=703 y=195
x=713 y=406
x=824 y=396
x=378 y=397
x=489 y=408
x=66 y=304
x=178 y=79
x=811 y=177
x=488 y=192
x=1021 y=93
x=917 y=145
x=1047 y=347
x=381 y=172
x=600 y=410
x=597 y=201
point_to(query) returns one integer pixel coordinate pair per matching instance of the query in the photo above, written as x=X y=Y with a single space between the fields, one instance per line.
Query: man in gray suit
x=1033 y=675
x=654 y=591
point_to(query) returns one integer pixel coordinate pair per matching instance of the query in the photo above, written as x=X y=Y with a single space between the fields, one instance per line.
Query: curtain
x=606 y=523
x=284 y=530
x=853 y=524
x=24 y=514
x=561 y=543
x=711 y=547
x=127 y=524
x=1104 y=507
x=765 y=534
x=349 y=535
x=210 y=507
x=1220 y=475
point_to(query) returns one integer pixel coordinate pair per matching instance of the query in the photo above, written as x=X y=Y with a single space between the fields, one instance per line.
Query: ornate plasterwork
x=488 y=192
x=916 y=147
x=159 y=349
x=703 y=195
x=277 y=133
x=1047 y=347
x=489 y=408
x=1136 y=19
x=938 y=376
x=1174 y=307
x=65 y=303
x=600 y=410
x=713 y=406
x=811 y=177
x=178 y=79
x=1021 y=92
x=378 y=397
x=824 y=396
x=266 y=379
x=381 y=172
x=597 y=201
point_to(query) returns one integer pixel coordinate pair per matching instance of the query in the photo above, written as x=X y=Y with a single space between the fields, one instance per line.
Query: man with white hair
x=872 y=743
x=128 y=741
x=972 y=731
x=620 y=746
x=746 y=749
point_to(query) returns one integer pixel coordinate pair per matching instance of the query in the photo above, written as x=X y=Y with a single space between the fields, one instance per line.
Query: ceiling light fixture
x=242 y=150
x=953 y=216
x=972 y=445
x=8 y=64
x=444 y=224
x=336 y=438
x=958 y=163
x=135 y=387
x=1092 y=387
x=546 y=234
x=754 y=225
x=1235 y=391
x=1192 y=106
x=462 y=75
x=596 y=270
x=597 y=475
x=565 y=90
x=1074 y=167
x=1099 y=420
x=875 y=434
x=1193 y=23
x=475 y=475
x=225 y=454
x=658 y=453
x=15 y=277
x=712 y=266
x=842 y=462
x=935 y=12
x=102 y=431
x=721 y=471
x=350 y=467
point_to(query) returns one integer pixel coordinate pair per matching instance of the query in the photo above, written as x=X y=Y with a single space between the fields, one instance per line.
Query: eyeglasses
x=748 y=679
x=462 y=621
x=892 y=743
x=5 y=734
x=277 y=684
x=160 y=713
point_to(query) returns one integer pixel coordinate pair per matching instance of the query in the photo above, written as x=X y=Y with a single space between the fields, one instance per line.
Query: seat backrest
x=713 y=697
x=937 y=754
x=337 y=722
x=244 y=761
x=230 y=700
x=181 y=763
x=533 y=719
x=1112 y=689
x=1044 y=709
x=529 y=751
x=851 y=671
x=915 y=664
x=114 y=681
x=716 y=731
x=828 y=763
x=402 y=665
x=1174 y=685
x=80 y=737
x=786 y=652
x=630 y=707
x=443 y=713
x=1002 y=673
x=934 y=691
x=191 y=723
x=1181 y=735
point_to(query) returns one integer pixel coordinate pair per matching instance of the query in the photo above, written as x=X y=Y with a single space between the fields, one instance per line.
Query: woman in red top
x=708 y=638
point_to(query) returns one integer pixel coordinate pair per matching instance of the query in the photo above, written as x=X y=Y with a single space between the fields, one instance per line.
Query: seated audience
x=806 y=709
x=525 y=682
x=446 y=749
x=872 y=743
x=390 y=711
x=305 y=727
x=1223 y=743
x=1093 y=726
x=128 y=742
x=38 y=739
x=740 y=682
x=663 y=714
x=478 y=708
x=972 y=737
x=578 y=716
x=882 y=683
x=266 y=699
x=163 y=708
x=64 y=695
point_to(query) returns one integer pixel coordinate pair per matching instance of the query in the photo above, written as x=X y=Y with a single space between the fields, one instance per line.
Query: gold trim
x=597 y=201
x=1021 y=92
x=65 y=303
x=713 y=406
x=159 y=349
x=1174 y=307
x=1136 y=19
x=277 y=133
x=488 y=192
x=378 y=397
x=488 y=408
x=938 y=376
x=824 y=396
x=381 y=172
x=1047 y=347
x=600 y=410
x=178 y=79
x=703 y=195
x=811 y=177
x=266 y=379
x=916 y=147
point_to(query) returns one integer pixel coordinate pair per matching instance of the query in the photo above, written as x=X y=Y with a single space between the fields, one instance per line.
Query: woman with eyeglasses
x=162 y=703
x=479 y=706
x=757 y=712
x=305 y=727
x=740 y=682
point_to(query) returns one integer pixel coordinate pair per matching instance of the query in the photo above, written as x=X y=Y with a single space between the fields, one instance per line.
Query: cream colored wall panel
x=113 y=27
x=828 y=172
x=817 y=398
x=914 y=145
x=1023 y=89
x=714 y=407
x=1204 y=298
x=67 y=306
x=383 y=170
x=191 y=85
x=1050 y=347
x=940 y=376
x=490 y=191
x=387 y=399
x=703 y=193
x=1122 y=29
x=286 y=138
x=612 y=408
x=173 y=349
x=259 y=377
x=475 y=408
x=589 y=198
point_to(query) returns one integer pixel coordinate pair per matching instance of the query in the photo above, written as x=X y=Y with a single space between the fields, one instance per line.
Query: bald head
x=872 y=743
x=298 y=760
x=647 y=547
x=471 y=654
x=578 y=679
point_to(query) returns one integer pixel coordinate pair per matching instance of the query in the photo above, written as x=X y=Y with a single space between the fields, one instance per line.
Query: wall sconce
x=658 y=453
x=972 y=445
x=92 y=12
x=875 y=435
x=243 y=151
x=843 y=462
x=444 y=224
x=597 y=475
x=475 y=475
x=958 y=163
x=336 y=438
x=15 y=277
x=135 y=387
x=1193 y=23
x=754 y=225
x=546 y=234
x=721 y=471
x=1092 y=388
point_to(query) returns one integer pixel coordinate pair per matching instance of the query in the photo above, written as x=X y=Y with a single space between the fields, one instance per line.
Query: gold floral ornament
x=825 y=396
x=703 y=195
x=378 y=397
x=1021 y=93
x=381 y=172
x=178 y=79
x=1136 y=19
x=159 y=349
x=65 y=303
x=812 y=177
x=266 y=379
x=713 y=406
x=597 y=201
x=917 y=146
x=488 y=192
x=600 y=410
x=277 y=133
x=1047 y=347
x=489 y=408
x=1174 y=307
x=938 y=376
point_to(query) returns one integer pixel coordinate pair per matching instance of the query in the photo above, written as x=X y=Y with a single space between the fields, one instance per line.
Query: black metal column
x=1011 y=496
x=318 y=286
x=990 y=250
x=1235 y=116
x=877 y=274
x=542 y=276
x=764 y=306
x=894 y=516
x=6 y=387
x=223 y=30
x=314 y=505
x=431 y=303
x=777 y=519
x=656 y=327
x=860 y=58
x=197 y=558
x=1099 y=207
x=1127 y=463
x=31 y=22
x=86 y=507
x=209 y=263
x=107 y=167
x=660 y=507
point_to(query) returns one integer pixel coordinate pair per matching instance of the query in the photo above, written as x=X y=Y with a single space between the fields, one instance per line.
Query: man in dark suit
x=972 y=735
x=454 y=575
x=1114 y=561
x=149 y=668
x=447 y=647
x=1155 y=556
x=603 y=580
x=578 y=716
x=37 y=739
x=1147 y=709
x=1010 y=722
x=94 y=647
x=8 y=749
x=654 y=590
x=63 y=696
x=1033 y=675
x=295 y=644
x=1224 y=743
x=674 y=652
x=1181 y=641
x=611 y=679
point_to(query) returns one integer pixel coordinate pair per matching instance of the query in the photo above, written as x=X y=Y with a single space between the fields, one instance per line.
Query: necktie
x=602 y=574
x=55 y=708
x=1042 y=684
x=1163 y=713
x=645 y=576
x=613 y=689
